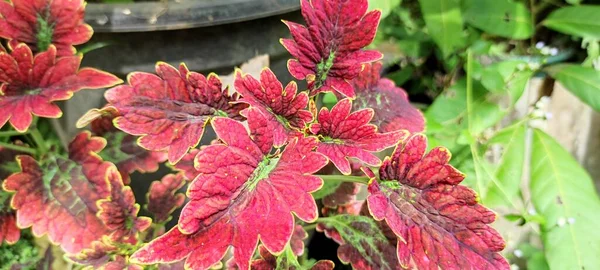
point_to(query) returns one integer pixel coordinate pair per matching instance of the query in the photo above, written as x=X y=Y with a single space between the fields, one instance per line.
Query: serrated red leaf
x=328 y=51
x=346 y=135
x=284 y=109
x=119 y=212
x=362 y=242
x=240 y=188
x=162 y=197
x=344 y=194
x=439 y=223
x=59 y=198
x=9 y=231
x=121 y=148
x=186 y=165
x=29 y=84
x=390 y=103
x=21 y=20
x=97 y=255
x=170 y=111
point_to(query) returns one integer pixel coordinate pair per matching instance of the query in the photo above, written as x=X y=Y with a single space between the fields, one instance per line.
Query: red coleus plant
x=40 y=23
x=256 y=187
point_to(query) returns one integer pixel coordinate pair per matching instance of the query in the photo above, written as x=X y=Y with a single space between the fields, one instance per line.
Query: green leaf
x=504 y=18
x=386 y=6
x=583 y=82
x=510 y=169
x=444 y=22
x=327 y=188
x=580 y=21
x=563 y=192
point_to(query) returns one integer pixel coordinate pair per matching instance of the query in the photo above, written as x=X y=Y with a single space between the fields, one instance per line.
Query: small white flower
x=514 y=267
x=571 y=220
x=540 y=45
x=549 y=115
x=532 y=211
x=518 y=253
x=553 y=51
x=533 y=66
x=561 y=222
x=521 y=67
x=545 y=51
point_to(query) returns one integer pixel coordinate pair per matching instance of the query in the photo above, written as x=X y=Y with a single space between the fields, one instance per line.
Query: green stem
x=23 y=149
x=345 y=178
x=39 y=140
x=309 y=227
x=11 y=133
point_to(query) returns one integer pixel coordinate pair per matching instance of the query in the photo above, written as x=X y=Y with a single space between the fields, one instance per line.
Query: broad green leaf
x=444 y=22
x=506 y=77
x=563 y=192
x=385 y=6
x=505 y=18
x=327 y=188
x=510 y=170
x=583 y=82
x=580 y=21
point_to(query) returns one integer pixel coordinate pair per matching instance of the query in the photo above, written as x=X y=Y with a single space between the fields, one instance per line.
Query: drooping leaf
x=439 y=223
x=362 y=242
x=390 y=103
x=346 y=135
x=169 y=111
x=119 y=213
x=9 y=232
x=96 y=256
x=29 y=84
x=240 y=188
x=505 y=18
x=284 y=108
x=510 y=169
x=564 y=194
x=121 y=148
x=444 y=23
x=57 y=196
x=575 y=20
x=162 y=197
x=583 y=82
x=328 y=51
x=344 y=194
x=41 y=23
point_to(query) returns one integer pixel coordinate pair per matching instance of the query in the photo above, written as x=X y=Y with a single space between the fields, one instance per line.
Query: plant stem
x=39 y=140
x=309 y=227
x=11 y=133
x=23 y=149
x=345 y=178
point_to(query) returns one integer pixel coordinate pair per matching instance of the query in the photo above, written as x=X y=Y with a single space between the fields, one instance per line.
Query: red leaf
x=438 y=222
x=362 y=243
x=392 y=109
x=59 y=198
x=186 y=165
x=344 y=194
x=328 y=50
x=240 y=188
x=119 y=212
x=286 y=261
x=9 y=231
x=29 y=85
x=170 y=110
x=121 y=149
x=42 y=22
x=346 y=135
x=162 y=197
x=284 y=109
x=98 y=255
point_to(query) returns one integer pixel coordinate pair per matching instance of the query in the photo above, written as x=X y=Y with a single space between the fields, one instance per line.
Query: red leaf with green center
x=40 y=23
x=349 y=135
x=362 y=243
x=240 y=188
x=439 y=223
x=287 y=261
x=328 y=51
x=58 y=196
x=163 y=199
x=122 y=149
x=392 y=109
x=9 y=231
x=170 y=110
x=284 y=108
x=119 y=212
x=186 y=165
x=29 y=84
